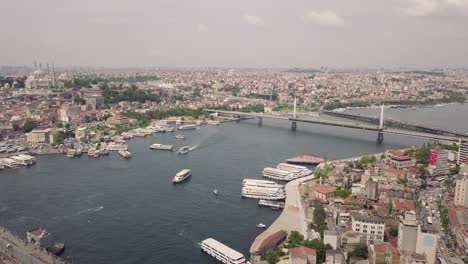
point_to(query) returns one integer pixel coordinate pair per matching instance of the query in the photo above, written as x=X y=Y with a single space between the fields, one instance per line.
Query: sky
x=235 y=33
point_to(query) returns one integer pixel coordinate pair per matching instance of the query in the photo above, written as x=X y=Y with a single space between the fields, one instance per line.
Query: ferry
x=184 y=150
x=213 y=122
x=187 y=127
x=222 y=252
x=71 y=153
x=262 y=189
x=30 y=158
x=22 y=160
x=180 y=136
x=10 y=163
x=182 y=176
x=271 y=204
x=306 y=159
x=94 y=153
x=161 y=147
x=167 y=129
x=299 y=171
x=277 y=174
x=125 y=153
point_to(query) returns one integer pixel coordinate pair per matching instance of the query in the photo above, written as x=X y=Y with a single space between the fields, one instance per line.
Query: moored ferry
x=125 y=153
x=262 y=189
x=187 y=127
x=300 y=171
x=306 y=159
x=277 y=174
x=161 y=147
x=182 y=176
x=222 y=252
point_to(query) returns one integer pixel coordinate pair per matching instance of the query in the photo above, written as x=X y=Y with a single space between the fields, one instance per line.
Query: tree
x=422 y=170
x=272 y=257
x=360 y=251
x=343 y=193
x=29 y=125
x=422 y=155
x=394 y=231
x=390 y=206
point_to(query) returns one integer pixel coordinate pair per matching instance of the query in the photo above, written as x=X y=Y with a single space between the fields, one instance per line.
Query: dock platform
x=272 y=204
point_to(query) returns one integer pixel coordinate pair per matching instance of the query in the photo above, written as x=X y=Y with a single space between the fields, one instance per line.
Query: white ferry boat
x=116 y=146
x=262 y=189
x=277 y=174
x=182 y=176
x=222 y=252
x=71 y=153
x=187 y=127
x=213 y=122
x=167 y=129
x=161 y=147
x=22 y=161
x=10 y=163
x=300 y=171
x=125 y=153
x=30 y=158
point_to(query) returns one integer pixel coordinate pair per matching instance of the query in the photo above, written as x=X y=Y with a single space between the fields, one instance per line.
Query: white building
x=438 y=162
x=463 y=152
x=38 y=136
x=331 y=237
x=38 y=80
x=68 y=113
x=407 y=233
x=371 y=227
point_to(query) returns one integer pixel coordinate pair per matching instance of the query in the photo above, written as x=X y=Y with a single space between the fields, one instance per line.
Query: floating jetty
x=272 y=204
x=306 y=159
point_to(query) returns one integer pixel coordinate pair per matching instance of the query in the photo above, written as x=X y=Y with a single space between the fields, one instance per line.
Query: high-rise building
x=427 y=245
x=407 y=232
x=463 y=152
x=438 y=162
x=461 y=192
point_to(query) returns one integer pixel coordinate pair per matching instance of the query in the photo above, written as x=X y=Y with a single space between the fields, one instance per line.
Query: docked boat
x=187 y=127
x=167 y=129
x=125 y=153
x=104 y=152
x=180 y=136
x=71 y=153
x=213 y=122
x=215 y=191
x=306 y=159
x=262 y=189
x=10 y=163
x=184 y=150
x=79 y=152
x=277 y=174
x=260 y=225
x=22 y=160
x=222 y=252
x=271 y=204
x=182 y=176
x=94 y=153
x=299 y=171
x=161 y=147
x=28 y=157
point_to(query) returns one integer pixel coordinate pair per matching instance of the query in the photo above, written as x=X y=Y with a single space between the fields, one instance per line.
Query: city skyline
x=240 y=34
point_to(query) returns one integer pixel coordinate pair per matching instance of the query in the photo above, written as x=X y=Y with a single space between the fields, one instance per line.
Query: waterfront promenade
x=291 y=219
x=23 y=252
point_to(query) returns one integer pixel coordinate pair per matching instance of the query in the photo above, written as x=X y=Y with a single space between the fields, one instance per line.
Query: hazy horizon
x=361 y=34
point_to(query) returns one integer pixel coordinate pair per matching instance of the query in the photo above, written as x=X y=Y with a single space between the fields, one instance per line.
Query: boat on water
x=125 y=153
x=104 y=152
x=215 y=191
x=180 y=136
x=94 y=153
x=277 y=174
x=187 y=127
x=262 y=189
x=184 y=150
x=167 y=129
x=78 y=152
x=222 y=252
x=71 y=153
x=182 y=176
x=213 y=122
x=260 y=225
x=299 y=171
x=161 y=147
x=306 y=159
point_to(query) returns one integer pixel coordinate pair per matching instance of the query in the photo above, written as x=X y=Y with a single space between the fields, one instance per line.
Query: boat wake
x=90 y=210
x=193 y=147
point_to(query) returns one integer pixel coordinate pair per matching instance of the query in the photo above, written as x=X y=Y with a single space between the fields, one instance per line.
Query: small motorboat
x=180 y=136
x=183 y=150
x=215 y=191
x=260 y=225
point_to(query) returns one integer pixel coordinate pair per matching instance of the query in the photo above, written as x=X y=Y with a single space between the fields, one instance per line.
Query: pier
x=17 y=249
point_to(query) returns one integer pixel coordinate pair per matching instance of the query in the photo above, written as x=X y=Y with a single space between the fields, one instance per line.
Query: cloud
x=201 y=28
x=435 y=8
x=326 y=18
x=252 y=20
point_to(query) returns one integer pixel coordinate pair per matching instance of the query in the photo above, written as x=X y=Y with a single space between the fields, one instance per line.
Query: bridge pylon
x=260 y=121
x=381 y=124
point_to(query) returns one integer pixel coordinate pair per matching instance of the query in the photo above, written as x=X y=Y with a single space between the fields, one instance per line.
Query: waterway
x=111 y=210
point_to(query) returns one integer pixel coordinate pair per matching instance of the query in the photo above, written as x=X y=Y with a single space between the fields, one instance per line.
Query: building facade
x=461 y=192
x=37 y=136
x=372 y=228
x=407 y=232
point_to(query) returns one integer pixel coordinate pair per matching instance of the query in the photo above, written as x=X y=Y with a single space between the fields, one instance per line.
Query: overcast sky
x=235 y=33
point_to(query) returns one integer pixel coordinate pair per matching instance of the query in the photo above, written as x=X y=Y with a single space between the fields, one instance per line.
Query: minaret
x=53 y=75
x=35 y=65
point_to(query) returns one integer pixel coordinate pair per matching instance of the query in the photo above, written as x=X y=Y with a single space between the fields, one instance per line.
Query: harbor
x=109 y=198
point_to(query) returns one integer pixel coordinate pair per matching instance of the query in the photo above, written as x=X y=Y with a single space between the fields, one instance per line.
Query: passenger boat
x=187 y=127
x=277 y=174
x=167 y=129
x=183 y=150
x=22 y=160
x=182 y=176
x=260 y=225
x=180 y=136
x=299 y=171
x=10 y=163
x=125 y=153
x=222 y=252
x=215 y=191
x=161 y=147
x=261 y=189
